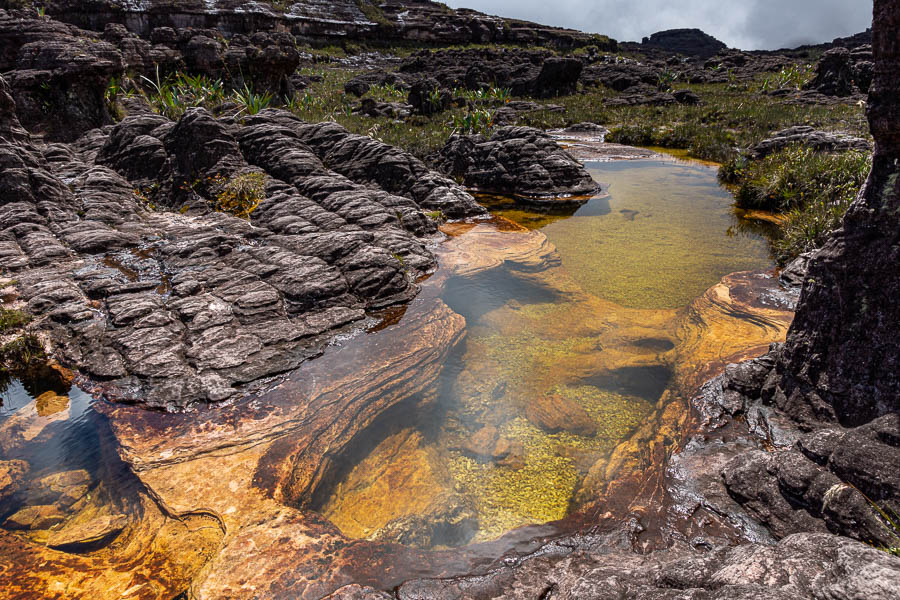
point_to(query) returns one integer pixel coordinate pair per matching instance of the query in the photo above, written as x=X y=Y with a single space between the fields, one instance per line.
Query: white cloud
x=747 y=24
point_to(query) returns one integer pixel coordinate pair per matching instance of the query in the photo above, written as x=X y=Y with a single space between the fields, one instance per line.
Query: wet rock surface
x=822 y=407
x=518 y=161
x=160 y=300
x=800 y=566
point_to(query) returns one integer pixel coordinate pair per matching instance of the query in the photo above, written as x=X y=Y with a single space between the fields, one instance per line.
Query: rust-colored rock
x=50 y=403
x=481 y=444
x=87 y=534
x=43 y=516
x=11 y=472
x=556 y=413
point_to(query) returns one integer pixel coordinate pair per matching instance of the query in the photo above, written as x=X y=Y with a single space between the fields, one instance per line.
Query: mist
x=745 y=24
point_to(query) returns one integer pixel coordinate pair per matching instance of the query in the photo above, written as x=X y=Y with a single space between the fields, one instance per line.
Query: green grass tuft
x=12 y=319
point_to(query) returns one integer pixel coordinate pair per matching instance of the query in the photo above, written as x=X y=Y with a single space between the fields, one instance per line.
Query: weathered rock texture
x=841 y=363
x=828 y=401
x=517 y=161
x=843 y=72
x=524 y=72
x=417 y=21
x=58 y=74
x=823 y=141
x=146 y=289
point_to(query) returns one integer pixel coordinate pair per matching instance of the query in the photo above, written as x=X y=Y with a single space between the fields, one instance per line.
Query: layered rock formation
x=517 y=161
x=804 y=135
x=145 y=287
x=419 y=21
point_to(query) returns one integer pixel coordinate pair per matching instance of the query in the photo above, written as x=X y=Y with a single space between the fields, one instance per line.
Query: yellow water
x=599 y=332
x=664 y=240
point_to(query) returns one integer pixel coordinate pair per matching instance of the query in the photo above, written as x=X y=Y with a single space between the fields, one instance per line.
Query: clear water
x=596 y=335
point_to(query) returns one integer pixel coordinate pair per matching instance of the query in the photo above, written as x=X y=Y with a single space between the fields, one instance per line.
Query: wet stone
x=558 y=413
x=42 y=516
x=82 y=536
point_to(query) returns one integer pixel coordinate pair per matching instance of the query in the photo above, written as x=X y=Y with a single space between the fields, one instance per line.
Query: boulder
x=692 y=42
x=804 y=135
x=517 y=161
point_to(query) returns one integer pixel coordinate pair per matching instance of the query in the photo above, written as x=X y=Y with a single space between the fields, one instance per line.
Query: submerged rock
x=557 y=413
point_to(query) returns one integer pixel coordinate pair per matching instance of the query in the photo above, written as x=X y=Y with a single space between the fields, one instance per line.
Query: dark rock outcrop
x=427 y=98
x=824 y=141
x=800 y=566
x=418 y=21
x=362 y=83
x=828 y=401
x=842 y=357
x=518 y=161
x=693 y=42
x=842 y=72
x=57 y=74
x=523 y=72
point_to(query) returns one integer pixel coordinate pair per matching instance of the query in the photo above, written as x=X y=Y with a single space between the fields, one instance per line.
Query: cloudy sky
x=745 y=24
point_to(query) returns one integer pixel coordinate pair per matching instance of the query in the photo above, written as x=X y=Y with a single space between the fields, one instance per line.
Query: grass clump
x=11 y=319
x=813 y=188
x=251 y=102
x=22 y=354
x=239 y=195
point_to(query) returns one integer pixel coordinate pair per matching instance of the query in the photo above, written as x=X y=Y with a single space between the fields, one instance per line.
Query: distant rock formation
x=691 y=42
x=418 y=21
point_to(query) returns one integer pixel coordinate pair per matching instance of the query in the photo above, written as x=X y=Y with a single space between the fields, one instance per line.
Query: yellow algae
x=554 y=463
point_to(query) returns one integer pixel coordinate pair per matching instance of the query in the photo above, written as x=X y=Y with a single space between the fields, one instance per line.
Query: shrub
x=21 y=354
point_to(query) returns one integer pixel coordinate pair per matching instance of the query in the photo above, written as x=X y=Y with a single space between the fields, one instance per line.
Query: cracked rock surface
x=165 y=302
